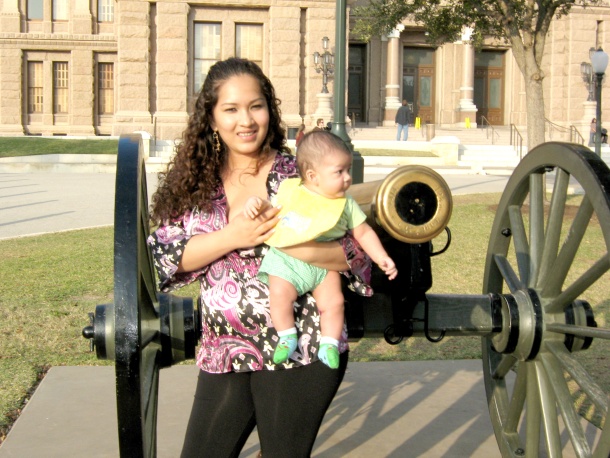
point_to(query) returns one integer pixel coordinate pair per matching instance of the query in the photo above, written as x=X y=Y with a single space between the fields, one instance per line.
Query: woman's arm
x=242 y=232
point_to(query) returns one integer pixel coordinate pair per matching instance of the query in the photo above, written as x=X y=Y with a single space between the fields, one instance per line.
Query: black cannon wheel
x=136 y=319
x=549 y=250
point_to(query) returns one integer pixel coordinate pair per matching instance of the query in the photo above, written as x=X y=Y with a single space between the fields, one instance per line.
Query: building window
x=60 y=87
x=206 y=52
x=249 y=42
x=35 y=10
x=60 y=10
x=105 y=85
x=105 y=11
x=35 y=87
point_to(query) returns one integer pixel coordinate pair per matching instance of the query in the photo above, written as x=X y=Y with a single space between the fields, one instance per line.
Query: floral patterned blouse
x=237 y=332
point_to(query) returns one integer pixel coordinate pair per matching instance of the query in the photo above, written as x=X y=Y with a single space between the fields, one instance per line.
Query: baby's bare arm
x=255 y=206
x=368 y=240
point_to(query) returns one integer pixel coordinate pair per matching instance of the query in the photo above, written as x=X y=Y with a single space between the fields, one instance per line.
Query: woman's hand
x=247 y=231
x=242 y=232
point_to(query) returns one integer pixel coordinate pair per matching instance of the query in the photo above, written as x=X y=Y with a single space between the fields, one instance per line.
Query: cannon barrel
x=412 y=204
x=408 y=208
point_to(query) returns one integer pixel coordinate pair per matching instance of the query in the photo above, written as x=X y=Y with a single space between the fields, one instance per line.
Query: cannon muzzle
x=412 y=204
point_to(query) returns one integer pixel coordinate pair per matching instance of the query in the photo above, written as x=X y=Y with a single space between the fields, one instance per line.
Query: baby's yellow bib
x=305 y=215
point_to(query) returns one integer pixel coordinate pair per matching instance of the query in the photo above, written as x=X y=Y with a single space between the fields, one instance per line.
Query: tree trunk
x=533 y=76
x=535 y=109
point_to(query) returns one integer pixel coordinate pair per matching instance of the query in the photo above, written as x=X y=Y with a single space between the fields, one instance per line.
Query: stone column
x=393 y=73
x=81 y=106
x=81 y=21
x=171 y=70
x=589 y=112
x=133 y=72
x=9 y=16
x=324 y=109
x=285 y=62
x=467 y=108
x=11 y=103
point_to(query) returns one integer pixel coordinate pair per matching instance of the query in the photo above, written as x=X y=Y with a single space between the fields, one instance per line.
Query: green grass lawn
x=51 y=282
x=34 y=146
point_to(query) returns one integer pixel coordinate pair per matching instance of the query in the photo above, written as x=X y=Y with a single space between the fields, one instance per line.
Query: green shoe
x=285 y=348
x=329 y=355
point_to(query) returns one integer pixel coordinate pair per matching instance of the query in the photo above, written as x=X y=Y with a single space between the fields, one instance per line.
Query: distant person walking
x=403 y=117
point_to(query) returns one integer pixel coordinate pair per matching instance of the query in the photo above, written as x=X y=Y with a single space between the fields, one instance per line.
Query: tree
x=524 y=24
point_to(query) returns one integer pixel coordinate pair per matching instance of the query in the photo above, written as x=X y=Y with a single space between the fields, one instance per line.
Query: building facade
x=108 y=67
x=456 y=85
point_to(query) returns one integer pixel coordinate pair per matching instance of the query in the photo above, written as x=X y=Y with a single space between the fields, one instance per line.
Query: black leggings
x=287 y=406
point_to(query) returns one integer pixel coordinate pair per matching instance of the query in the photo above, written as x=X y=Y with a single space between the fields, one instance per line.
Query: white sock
x=287 y=332
x=329 y=340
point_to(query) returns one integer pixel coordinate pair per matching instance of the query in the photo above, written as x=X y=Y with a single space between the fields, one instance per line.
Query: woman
x=234 y=146
x=592 y=132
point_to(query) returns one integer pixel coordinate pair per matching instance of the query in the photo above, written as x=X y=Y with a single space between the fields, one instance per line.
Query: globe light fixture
x=324 y=63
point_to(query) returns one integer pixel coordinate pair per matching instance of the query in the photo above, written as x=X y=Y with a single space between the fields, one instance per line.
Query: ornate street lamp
x=587 y=76
x=599 y=63
x=338 y=127
x=324 y=63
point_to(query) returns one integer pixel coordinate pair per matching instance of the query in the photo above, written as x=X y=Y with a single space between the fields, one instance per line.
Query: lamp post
x=338 y=127
x=599 y=63
x=324 y=63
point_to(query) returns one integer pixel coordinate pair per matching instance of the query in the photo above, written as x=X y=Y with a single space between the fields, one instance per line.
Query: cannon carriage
x=532 y=315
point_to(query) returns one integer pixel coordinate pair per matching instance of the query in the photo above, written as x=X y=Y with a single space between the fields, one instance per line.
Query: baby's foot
x=285 y=348
x=329 y=355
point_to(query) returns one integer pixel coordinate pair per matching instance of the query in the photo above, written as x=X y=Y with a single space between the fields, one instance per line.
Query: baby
x=314 y=207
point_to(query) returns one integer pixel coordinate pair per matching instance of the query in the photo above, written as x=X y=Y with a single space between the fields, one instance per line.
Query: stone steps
x=474 y=156
x=475 y=136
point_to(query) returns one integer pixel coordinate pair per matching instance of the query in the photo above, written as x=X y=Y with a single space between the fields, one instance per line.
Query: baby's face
x=331 y=177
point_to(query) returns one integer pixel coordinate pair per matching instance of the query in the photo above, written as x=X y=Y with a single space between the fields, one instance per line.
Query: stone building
x=107 y=67
x=453 y=85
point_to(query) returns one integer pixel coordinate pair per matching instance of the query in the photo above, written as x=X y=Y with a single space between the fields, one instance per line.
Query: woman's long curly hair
x=193 y=174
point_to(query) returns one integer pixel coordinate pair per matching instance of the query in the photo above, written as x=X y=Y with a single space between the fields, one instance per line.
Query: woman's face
x=241 y=115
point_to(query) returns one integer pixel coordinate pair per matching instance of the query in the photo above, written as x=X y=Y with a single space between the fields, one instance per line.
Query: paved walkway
x=415 y=409
x=37 y=203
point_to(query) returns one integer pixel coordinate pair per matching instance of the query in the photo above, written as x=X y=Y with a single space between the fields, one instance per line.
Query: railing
x=516 y=140
x=575 y=136
x=555 y=129
x=487 y=126
x=571 y=133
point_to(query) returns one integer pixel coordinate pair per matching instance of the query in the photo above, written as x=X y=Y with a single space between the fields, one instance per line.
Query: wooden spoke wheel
x=151 y=330
x=548 y=256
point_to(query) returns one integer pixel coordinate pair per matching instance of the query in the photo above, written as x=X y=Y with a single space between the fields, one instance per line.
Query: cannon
x=533 y=315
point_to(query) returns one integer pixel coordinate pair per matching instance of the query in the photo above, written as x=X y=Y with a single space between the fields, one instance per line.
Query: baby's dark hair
x=314 y=146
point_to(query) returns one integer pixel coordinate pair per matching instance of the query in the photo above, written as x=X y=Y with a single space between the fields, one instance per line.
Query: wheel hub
x=522 y=319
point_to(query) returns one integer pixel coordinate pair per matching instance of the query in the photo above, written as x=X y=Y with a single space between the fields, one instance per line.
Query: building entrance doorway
x=489 y=87
x=356 y=84
x=418 y=82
